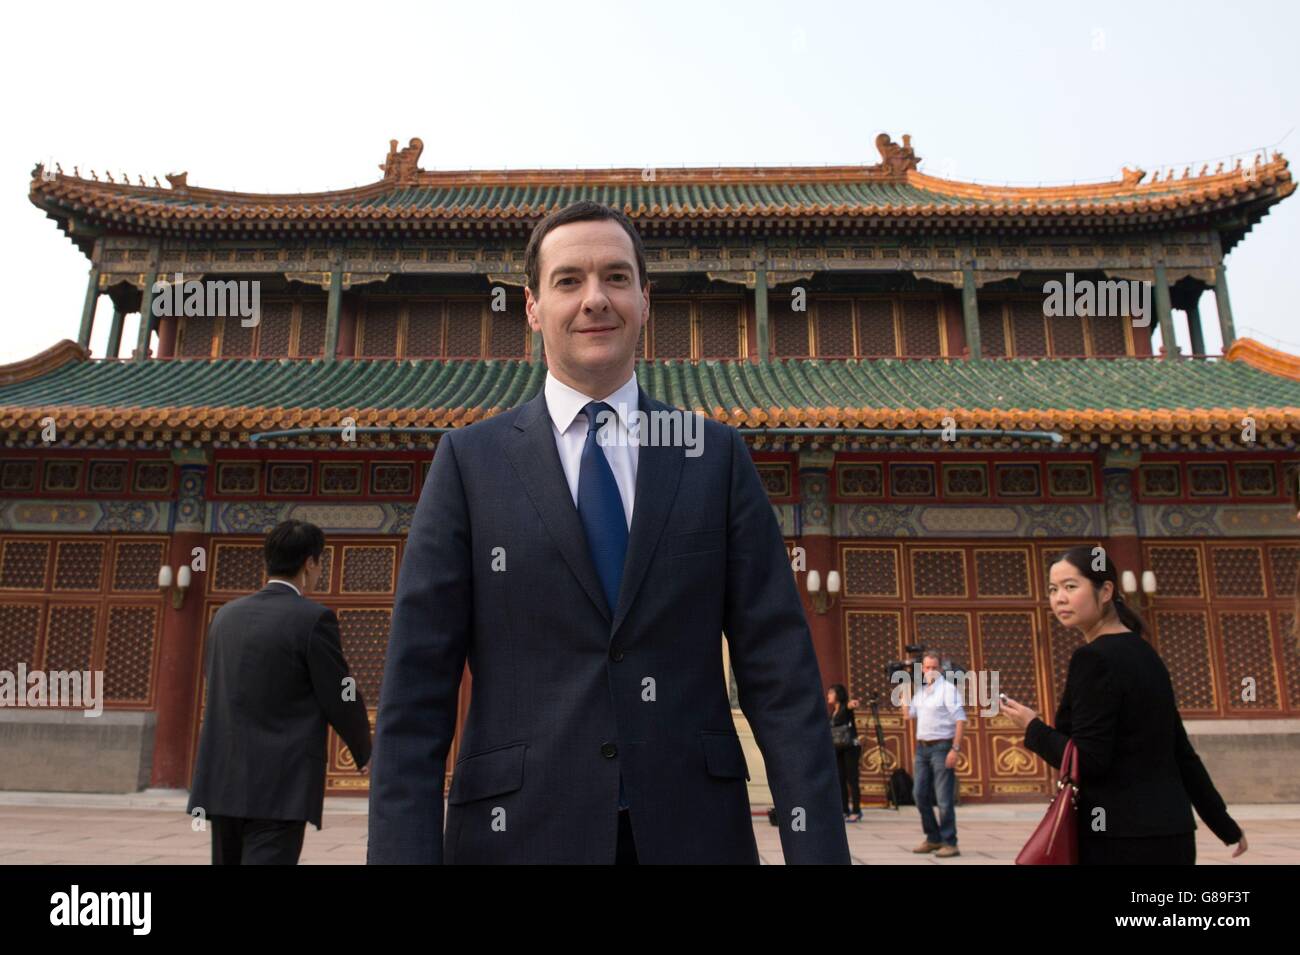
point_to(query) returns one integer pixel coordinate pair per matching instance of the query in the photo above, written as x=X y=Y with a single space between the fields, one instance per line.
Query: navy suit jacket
x=568 y=692
x=275 y=669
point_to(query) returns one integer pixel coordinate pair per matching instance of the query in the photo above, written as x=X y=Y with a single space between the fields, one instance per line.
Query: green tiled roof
x=695 y=197
x=1075 y=384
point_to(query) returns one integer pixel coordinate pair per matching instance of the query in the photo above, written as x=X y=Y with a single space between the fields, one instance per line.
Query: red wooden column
x=953 y=324
x=167 y=336
x=179 y=662
x=815 y=534
x=1123 y=547
x=1141 y=336
x=347 y=346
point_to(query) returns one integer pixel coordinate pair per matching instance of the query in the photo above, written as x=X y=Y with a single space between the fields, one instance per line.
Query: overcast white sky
x=289 y=97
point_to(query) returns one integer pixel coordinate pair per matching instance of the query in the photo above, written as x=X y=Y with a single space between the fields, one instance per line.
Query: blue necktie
x=601 y=510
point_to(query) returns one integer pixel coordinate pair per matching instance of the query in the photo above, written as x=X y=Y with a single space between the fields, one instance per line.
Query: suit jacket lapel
x=658 y=469
x=537 y=463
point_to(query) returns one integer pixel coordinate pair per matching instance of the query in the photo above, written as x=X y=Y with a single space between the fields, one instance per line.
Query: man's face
x=929 y=669
x=589 y=305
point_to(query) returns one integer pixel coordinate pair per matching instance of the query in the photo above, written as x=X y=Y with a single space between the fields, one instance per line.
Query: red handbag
x=1056 y=840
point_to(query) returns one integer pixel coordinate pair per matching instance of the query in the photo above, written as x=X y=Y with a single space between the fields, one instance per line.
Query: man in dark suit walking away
x=276 y=677
x=586 y=551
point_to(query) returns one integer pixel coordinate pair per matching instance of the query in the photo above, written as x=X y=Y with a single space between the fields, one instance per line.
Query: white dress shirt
x=293 y=587
x=937 y=710
x=569 y=426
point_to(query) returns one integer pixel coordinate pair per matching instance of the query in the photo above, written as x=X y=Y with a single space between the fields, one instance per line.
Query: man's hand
x=1241 y=846
x=950 y=760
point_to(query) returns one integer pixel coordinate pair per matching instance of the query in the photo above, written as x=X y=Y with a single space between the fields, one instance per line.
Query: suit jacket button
x=608 y=750
x=616 y=654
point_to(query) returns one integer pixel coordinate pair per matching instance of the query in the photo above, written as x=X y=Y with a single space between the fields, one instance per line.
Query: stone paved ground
x=151 y=828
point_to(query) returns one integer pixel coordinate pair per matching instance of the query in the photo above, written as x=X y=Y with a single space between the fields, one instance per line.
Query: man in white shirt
x=940 y=722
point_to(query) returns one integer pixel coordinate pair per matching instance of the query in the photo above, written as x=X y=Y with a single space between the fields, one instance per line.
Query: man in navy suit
x=277 y=679
x=586 y=551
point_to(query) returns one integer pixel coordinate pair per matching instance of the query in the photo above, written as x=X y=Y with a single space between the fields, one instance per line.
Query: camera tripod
x=890 y=802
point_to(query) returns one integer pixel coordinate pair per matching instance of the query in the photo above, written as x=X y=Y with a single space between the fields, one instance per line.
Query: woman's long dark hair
x=841 y=694
x=1081 y=559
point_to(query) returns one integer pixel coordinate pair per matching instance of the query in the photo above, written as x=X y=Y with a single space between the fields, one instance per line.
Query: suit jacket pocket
x=723 y=754
x=490 y=773
x=708 y=541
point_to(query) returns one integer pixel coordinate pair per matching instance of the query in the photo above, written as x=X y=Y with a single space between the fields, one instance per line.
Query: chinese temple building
x=923 y=427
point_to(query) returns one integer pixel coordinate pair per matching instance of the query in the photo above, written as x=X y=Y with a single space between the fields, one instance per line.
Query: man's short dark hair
x=289 y=544
x=582 y=211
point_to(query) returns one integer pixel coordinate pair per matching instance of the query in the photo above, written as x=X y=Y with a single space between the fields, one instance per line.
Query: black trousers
x=1096 y=849
x=626 y=852
x=847 y=761
x=238 y=841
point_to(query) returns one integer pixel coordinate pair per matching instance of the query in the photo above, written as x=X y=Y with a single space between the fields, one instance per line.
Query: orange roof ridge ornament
x=1258 y=355
x=46 y=174
x=1204 y=187
x=57 y=355
x=403 y=165
x=897 y=160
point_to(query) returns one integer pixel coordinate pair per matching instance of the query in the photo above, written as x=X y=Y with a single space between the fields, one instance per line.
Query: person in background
x=940 y=722
x=277 y=679
x=1139 y=775
x=848 y=748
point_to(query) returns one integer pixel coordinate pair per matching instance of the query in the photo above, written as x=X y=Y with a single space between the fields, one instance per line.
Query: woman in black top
x=847 y=748
x=1139 y=775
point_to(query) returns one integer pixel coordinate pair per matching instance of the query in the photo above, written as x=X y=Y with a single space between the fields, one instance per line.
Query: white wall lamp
x=823 y=599
x=182 y=580
x=1129 y=584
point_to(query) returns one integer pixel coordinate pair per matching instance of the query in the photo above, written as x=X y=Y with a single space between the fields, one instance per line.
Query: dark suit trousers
x=626 y=852
x=256 y=841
